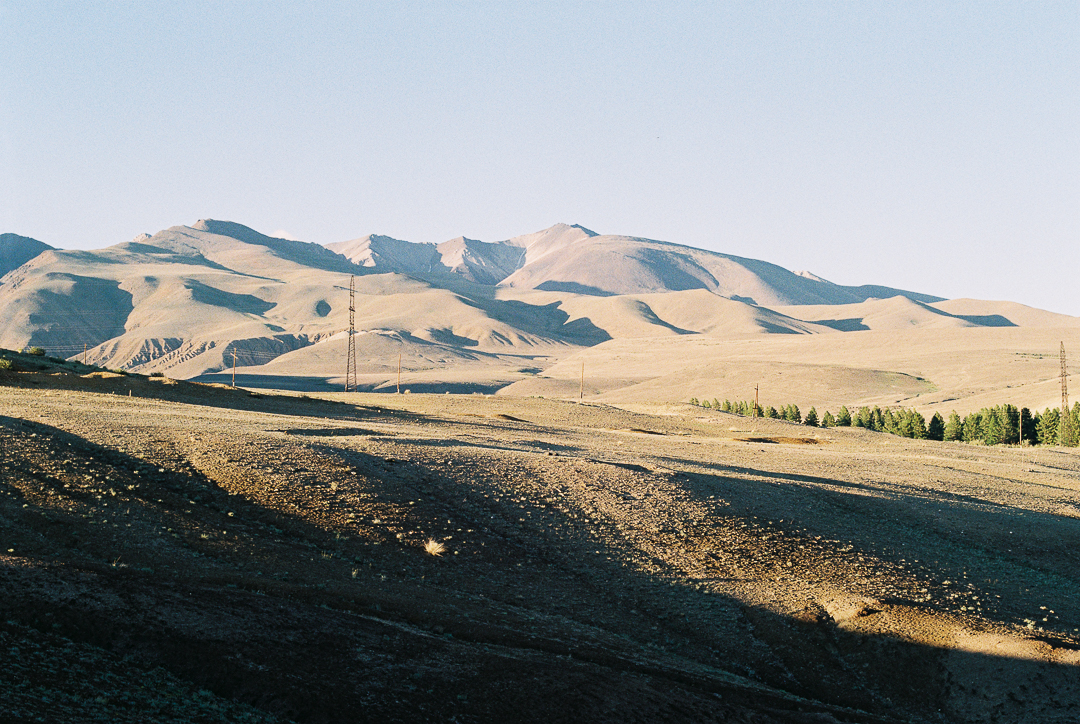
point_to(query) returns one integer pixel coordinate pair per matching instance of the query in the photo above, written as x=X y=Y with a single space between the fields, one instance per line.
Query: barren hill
x=519 y=315
x=567 y=258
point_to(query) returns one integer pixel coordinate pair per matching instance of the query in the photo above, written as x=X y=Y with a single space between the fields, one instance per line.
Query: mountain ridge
x=190 y=300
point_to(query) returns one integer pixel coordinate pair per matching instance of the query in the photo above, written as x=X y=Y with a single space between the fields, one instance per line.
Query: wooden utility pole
x=756 y=406
x=581 y=388
x=399 y=373
x=234 y=368
x=84 y=353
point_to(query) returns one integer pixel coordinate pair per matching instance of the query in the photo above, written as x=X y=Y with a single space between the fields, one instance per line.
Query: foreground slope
x=600 y=565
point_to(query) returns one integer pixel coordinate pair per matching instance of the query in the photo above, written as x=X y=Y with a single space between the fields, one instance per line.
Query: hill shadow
x=476 y=637
x=987 y=320
x=574 y=288
x=844 y=325
x=1025 y=558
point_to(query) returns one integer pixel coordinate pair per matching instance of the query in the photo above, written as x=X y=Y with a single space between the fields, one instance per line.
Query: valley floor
x=181 y=552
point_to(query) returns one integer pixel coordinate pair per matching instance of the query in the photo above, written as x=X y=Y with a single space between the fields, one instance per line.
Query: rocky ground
x=182 y=552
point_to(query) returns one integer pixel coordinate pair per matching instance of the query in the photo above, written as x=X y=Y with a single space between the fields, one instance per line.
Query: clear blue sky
x=931 y=146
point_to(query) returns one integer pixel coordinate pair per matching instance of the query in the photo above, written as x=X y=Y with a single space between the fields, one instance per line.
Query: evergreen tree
x=796 y=416
x=990 y=430
x=772 y=412
x=972 y=427
x=715 y=404
x=936 y=429
x=1009 y=422
x=954 y=429
x=1049 y=427
x=843 y=418
x=706 y=404
x=890 y=422
x=727 y=406
x=877 y=420
x=811 y=418
x=1027 y=427
x=866 y=418
x=918 y=425
x=1070 y=429
x=827 y=420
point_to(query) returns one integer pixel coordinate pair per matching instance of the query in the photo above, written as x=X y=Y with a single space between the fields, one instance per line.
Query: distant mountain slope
x=189 y=297
x=389 y=254
x=191 y=300
x=662 y=314
x=630 y=265
x=574 y=259
x=16 y=250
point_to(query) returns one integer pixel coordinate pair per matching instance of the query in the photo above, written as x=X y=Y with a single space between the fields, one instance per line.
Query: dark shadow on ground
x=1015 y=561
x=526 y=628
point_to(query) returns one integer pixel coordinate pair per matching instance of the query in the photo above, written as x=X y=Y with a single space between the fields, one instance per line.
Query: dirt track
x=601 y=564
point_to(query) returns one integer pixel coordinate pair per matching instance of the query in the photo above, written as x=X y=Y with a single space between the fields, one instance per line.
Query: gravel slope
x=601 y=564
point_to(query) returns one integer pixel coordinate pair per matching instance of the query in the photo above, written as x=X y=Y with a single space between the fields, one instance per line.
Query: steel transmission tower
x=1064 y=383
x=1066 y=431
x=350 y=362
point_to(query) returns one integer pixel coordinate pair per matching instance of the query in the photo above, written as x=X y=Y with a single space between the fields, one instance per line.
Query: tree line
x=999 y=425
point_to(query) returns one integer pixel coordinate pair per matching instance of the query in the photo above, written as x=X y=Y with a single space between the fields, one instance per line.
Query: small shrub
x=6 y=364
x=36 y=351
x=434 y=547
x=157 y=374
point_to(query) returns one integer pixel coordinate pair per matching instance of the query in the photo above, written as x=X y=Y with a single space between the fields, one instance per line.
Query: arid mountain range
x=651 y=321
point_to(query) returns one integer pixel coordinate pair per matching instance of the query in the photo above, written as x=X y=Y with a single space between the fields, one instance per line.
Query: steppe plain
x=185 y=552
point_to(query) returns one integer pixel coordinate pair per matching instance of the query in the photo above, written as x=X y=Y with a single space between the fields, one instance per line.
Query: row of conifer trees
x=1000 y=425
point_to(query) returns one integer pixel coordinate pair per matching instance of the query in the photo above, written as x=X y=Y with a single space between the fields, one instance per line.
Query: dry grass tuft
x=434 y=547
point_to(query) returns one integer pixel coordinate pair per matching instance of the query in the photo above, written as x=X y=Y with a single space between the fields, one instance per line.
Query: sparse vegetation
x=434 y=547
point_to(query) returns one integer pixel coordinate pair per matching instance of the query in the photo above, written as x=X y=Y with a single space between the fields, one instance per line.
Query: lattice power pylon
x=1067 y=434
x=350 y=362
x=1064 y=383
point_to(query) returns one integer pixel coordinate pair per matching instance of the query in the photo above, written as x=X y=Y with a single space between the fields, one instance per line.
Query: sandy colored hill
x=186 y=298
x=521 y=316
x=1005 y=314
x=929 y=369
x=894 y=314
